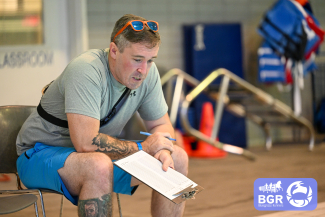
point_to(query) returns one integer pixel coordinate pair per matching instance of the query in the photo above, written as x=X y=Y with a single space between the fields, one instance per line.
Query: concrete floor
x=228 y=184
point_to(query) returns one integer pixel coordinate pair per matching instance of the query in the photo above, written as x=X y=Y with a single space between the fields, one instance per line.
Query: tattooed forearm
x=112 y=146
x=96 y=207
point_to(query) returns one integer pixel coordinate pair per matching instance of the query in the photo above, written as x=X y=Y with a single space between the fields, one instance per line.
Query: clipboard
x=171 y=184
x=187 y=193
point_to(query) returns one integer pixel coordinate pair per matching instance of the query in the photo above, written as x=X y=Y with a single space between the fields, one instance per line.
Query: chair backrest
x=11 y=120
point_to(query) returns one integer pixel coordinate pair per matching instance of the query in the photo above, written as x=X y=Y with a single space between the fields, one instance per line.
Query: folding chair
x=11 y=120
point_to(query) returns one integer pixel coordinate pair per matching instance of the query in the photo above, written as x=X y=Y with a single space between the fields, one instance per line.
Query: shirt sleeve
x=82 y=89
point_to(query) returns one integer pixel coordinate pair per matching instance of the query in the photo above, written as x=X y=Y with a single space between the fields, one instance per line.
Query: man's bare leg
x=89 y=176
x=161 y=206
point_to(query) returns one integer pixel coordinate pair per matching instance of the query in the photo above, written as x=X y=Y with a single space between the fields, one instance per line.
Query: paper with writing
x=149 y=170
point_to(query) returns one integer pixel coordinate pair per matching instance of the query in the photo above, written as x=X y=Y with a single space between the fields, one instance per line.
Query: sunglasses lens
x=153 y=26
x=137 y=25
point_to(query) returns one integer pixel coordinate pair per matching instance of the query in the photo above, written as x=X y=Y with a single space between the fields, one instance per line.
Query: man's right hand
x=156 y=142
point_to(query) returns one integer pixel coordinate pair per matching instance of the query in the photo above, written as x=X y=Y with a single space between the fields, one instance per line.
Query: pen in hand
x=148 y=134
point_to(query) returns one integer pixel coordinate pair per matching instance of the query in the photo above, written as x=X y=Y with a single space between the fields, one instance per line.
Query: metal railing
x=236 y=109
x=182 y=77
x=260 y=95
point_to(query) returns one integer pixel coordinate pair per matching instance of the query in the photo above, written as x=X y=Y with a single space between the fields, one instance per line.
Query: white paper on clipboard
x=171 y=184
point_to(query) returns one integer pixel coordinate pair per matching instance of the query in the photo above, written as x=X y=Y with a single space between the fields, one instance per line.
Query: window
x=21 y=22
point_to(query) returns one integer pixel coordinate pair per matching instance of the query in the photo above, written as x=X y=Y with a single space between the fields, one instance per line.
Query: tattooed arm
x=85 y=136
x=113 y=147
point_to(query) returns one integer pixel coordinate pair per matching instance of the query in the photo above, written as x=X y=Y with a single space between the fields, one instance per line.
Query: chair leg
x=119 y=204
x=36 y=209
x=42 y=202
x=61 y=209
x=19 y=187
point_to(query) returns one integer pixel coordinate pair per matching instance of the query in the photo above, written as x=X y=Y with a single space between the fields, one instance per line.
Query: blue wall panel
x=208 y=47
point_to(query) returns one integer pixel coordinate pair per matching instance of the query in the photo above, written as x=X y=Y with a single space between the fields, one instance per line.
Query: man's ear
x=113 y=50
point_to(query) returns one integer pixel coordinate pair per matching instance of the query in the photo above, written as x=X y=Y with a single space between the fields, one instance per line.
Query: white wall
x=24 y=70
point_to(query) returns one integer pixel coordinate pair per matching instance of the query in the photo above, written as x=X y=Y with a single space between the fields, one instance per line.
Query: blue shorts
x=38 y=167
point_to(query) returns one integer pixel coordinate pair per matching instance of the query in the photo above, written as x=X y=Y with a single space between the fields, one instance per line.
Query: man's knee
x=180 y=158
x=98 y=166
x=87 y=167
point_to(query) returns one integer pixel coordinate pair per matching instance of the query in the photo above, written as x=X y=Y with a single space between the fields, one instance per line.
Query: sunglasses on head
x=138 y=25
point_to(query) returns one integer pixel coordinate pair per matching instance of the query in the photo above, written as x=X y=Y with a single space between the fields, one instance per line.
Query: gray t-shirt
x=87 y=87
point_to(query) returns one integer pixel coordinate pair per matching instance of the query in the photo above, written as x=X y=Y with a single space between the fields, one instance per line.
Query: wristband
x=139 y=146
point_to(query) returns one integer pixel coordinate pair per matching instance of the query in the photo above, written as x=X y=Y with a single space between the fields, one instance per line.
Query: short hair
x=146 y=36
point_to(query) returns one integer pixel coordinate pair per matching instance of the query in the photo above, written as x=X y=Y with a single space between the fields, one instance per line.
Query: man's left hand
x=165 y=157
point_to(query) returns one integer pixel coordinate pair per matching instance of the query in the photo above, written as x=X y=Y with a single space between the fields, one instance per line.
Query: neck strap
x=63 y=123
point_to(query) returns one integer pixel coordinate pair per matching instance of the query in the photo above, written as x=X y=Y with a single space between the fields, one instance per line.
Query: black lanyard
x=116 y=107
x=63 y=123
